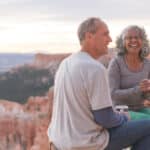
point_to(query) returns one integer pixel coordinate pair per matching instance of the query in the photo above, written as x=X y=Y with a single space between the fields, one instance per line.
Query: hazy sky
x=50 y=25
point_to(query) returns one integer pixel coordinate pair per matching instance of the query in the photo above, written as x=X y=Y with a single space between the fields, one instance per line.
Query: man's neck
x=90 y=52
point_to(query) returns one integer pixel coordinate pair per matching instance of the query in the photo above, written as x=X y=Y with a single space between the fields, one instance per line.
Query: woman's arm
x=130 y=96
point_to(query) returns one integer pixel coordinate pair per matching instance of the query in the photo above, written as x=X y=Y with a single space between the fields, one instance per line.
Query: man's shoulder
x=93 y=65
x=85 y=60
x=81 y=61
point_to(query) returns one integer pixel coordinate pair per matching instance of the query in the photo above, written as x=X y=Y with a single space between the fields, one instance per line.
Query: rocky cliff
x=44 y=59
x=24 y=127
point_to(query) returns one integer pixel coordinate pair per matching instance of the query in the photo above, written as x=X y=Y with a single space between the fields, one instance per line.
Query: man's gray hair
x=89 y=25
x=121 y=40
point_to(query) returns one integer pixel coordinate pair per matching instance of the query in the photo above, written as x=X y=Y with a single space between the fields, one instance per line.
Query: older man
x=83 y=117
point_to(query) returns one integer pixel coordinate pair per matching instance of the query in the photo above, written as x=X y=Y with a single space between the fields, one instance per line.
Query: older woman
x=129 y=72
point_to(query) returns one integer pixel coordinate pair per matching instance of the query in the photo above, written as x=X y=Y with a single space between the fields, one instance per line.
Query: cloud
x=36 y=10
x=4 y=28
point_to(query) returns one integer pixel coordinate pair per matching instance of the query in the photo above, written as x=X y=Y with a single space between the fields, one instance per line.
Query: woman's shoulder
x=116 y=63
x=118 y=59
x=146 y=61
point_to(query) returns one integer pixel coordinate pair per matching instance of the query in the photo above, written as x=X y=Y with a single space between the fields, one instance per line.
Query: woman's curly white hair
x=145 y=50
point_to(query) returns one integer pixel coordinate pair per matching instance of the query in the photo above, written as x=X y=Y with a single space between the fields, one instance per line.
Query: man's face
x=100 y=40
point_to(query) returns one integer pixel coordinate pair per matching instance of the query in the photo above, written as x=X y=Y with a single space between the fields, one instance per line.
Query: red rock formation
x=28 y=129
x=44 y=59
x=9 y=106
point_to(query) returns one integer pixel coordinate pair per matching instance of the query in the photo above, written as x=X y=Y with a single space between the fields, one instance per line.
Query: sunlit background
x=31 y=26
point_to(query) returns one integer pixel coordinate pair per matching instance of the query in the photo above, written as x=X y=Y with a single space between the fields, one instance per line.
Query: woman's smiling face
x=133 y=41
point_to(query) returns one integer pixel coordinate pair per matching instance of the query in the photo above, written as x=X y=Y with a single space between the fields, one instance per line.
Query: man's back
x=73 y=123
x=82 y=102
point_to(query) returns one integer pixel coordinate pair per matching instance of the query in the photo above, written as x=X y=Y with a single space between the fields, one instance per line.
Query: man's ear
x=88 y=35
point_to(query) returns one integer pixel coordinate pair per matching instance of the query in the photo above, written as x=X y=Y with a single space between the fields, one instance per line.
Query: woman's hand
x=146 y=103
x=145 y=85
x=126 y=113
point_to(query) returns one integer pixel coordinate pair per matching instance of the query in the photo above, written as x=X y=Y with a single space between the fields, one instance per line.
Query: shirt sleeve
x=130 y=96
x=108 y=118
x=98 y=88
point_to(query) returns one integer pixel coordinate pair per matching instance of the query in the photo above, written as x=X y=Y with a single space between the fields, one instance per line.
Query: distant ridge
x=9 y=60
x=43 y=59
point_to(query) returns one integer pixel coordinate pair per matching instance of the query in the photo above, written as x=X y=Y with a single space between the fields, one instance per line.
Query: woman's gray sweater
x=124 y=83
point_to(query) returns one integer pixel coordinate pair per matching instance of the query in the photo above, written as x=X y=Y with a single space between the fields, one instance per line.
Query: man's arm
x=108 y=118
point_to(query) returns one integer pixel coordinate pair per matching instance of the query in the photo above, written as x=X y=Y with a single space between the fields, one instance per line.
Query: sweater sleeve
x=131 y=96
x=108 y=118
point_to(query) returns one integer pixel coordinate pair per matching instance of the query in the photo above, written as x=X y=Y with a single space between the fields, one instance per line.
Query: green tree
x=25 y=81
